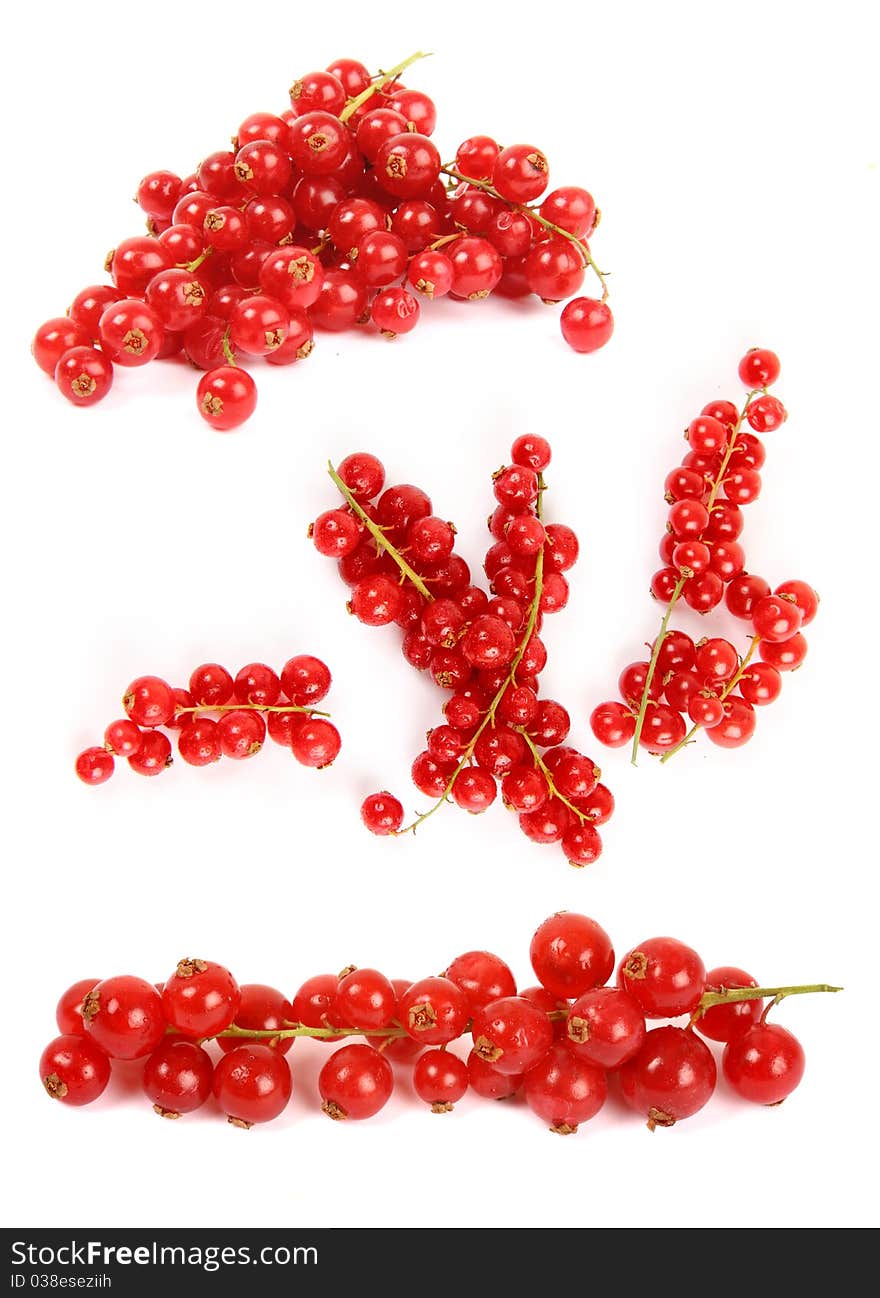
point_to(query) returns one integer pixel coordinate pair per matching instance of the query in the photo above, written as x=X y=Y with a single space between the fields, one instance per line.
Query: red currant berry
x=74 y=1070
x=476 y=157
x=123 y=1016
x=434 y=1011
x=83 y=375
x=57 y=336
x=316 y=743
x=705 y=710
x=395 y=311
x=571 y=208
x=252 y=1084
x=737 y=725
x=725 y=1022
x=94 y=765
x=586 y=324
x=704 y=591
x=565 y=1090
x=154 y=754
x=665 y=976
x=606 y=1027
x=200 y=998
x=743 y=593
x=520 y=173
x=760 y=684
x=742 y=486
x=764 y=1064
x=785 y=657
x=672 y=1077
x=257 y=684
x=431 y=273
x=149 y=701
x=613 y=724
x=511 y=1034
x=241 y=734
x=355 y=1083
x=177 y=1077
x=766 y=414
x=335 y=533
x=226 y=397
x=805 y=598
x=531 y=451
x=759 y=368
x=382 y=813
x=476 y=267
x=365 y=998
x=554 y=269
x=375 y=601
x=305 y=679
x=487 y=1082
x=408 y=165
x=706 y=435
x=776 y=618
x=68 y=1011
x=571 y=954
x=440 y=1079
x=199 y=742
x=482 y=977
x=86 y=309
x=551 y=725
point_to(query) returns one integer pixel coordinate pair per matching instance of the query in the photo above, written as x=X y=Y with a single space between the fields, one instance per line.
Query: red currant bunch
x=218 y=715
x=481 y=647
x=335 y=213
x=204 y=1038
x=688 y=686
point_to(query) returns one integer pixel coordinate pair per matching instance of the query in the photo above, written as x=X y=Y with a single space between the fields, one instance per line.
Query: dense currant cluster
x=483 y=650
x=336 y=213
x=219 y=715
x=559 y=1044
x=686 y=687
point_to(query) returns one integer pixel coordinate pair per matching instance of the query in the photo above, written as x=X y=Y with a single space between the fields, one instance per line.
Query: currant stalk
x=381 y=81
x=534 y=215
x=409 y=574
x=679 y=585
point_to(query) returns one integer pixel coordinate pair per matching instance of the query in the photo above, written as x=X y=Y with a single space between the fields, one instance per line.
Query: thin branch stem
x=728 y=995
x=227 y=346
x=251 y=707
x=510 y=679
x=728 y=688
x=379 y=536
x=534 y=215
x=548 y=776
x=381 y=81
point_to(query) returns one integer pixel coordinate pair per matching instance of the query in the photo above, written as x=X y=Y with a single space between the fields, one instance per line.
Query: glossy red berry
x=83 y=375
x=434 y=1011
x=252 y=1084
x=520 y=173
x=123 y=1016
x=263 y=1009
x=199 y=742
x=440 y=1078
x=805 y=598
x=672 y=1077
x=395 y=311
x=760 y=684
x=613 y=724
x=154 y=754
x=482 y=977
x=200 y=998
x=736 y=727
x=488 y=1083
x=606 y=1027
x=766 y=414
x=725 y=1022
x=785 y=657
x=571 y=954
x=564 y=1089
x=241 y=734
x=664 y=976
x=315 y=742
x=587 y=324
x=764 y=1064
x=94 y=765
x=355 y=1083
x=178 y=1077
x=57 y=336
x=776 y=618
x=382 y=813
x=408 y=165
x=74 y=1070
x=511 y=1034
x=759 y=368
x=226 y=397
x=305 y=679
x=68 y=1011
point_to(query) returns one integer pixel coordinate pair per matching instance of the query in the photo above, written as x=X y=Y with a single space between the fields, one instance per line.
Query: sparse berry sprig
x=331 y=215
x=560 y=1043
x=685 y=687
x=483 y=648
x=218 y=716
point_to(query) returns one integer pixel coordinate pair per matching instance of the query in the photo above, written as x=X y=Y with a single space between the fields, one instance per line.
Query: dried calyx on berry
x=206 y=1039
x=688 y=686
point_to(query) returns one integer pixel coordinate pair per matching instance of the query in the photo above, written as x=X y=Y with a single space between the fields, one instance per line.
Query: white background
x=732 y=148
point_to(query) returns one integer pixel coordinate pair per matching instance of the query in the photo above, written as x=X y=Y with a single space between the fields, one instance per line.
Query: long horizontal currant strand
x=728 y=689
x=548 y=774
x=251 y=707
x=679 y=585
x=510 y=679
x=382 y=80
x=379 y=536
x=534 y=215
x=726 y=996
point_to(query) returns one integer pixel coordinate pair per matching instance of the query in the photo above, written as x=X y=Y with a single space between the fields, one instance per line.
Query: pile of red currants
x=560 y=1044
x=334 y=214
x=483 y=649
x=708 y=682
x=218 y=716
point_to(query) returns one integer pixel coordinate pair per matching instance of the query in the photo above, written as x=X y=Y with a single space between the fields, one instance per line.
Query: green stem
x=251 y=707
x=728 y=995
x=535 y=215
x=382 y=80
x=227 y=346
x=293 y=1030
x=510 y=679
x=652 y=666
x=379 y=536
x=548 y=775
x=731 y=685
x=196 y=261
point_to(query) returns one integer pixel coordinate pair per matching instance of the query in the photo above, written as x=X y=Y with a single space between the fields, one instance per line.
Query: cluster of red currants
x=558 y=1043
x=246 y=707
x=705 y=564
x=483 y=649
x=337 y=212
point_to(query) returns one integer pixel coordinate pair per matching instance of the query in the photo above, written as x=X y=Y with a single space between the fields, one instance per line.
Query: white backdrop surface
x=733 y=151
